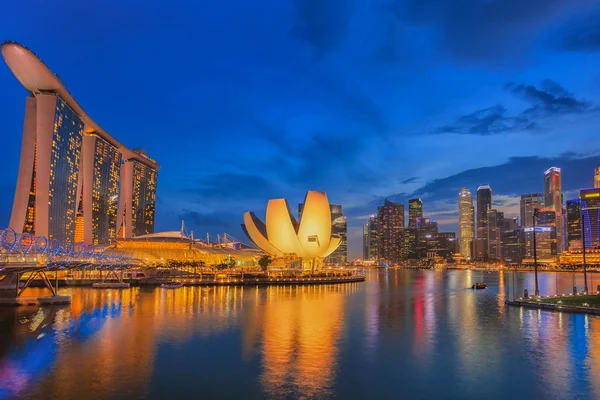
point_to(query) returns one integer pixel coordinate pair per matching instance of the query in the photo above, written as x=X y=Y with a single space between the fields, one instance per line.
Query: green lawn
x=591 y=300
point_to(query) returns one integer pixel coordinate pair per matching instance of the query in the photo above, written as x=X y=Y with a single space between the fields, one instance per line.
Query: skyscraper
x=365 y=238
x=391 y=232
x=495 y=227
x=484 y=203
x=553 y=200
x=597 y=178
x=70 y=179
x=573 y=224
x=529 y=202
x=466 y=228
x=339 y=227
x=590 y=214
x=415 y=212
x=373 y=238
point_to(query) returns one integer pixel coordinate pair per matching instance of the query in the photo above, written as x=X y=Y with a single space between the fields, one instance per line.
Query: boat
x=479 y=285
x=171 y=285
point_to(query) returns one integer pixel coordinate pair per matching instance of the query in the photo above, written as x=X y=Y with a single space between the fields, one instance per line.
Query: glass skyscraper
x=529 y=202
x=466 y=225
x=553 y=201
x=391 y=232
x=590 y=214
x=415 y=212
x=484 y=203
x=574 y=224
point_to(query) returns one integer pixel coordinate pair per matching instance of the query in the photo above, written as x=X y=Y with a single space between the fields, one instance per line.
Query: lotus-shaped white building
x=282 y=236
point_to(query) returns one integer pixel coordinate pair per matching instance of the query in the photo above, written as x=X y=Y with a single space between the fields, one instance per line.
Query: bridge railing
x=24 y=247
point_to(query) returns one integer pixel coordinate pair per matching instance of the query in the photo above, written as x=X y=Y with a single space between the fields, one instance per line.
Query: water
x=401 y=334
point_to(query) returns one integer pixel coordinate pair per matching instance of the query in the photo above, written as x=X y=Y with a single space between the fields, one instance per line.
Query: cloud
x=412 y=179
x=226 y=185
x=581 y=34
x=546 y=101
x=322 y=24
x=476 y=30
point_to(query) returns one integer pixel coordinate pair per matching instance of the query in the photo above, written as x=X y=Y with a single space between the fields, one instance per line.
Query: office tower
x=391 y=232
x=365 y=237
x=511 y=223
x=466 y=228
x=529 y=202
x=590 y=214
x=495 y=227
x=553 y=200
x=373 y=239
x=339 y=226
x=484 y=203
x=546 y=236
x=597 y=178
x=440 y=244
x=415 y=212
x=513 y=247
x=411 y=244
x=574 y=224
x=70 y=178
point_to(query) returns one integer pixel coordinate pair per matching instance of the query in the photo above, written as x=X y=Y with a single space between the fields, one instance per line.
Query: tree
x=264 y=262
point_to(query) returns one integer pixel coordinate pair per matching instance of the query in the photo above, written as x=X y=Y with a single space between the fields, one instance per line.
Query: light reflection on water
x=419 y=334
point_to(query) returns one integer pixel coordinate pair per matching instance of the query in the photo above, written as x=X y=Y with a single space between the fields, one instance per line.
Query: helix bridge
x=38 y=256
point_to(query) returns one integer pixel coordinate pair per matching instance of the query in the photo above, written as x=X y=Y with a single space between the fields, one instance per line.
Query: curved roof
x=36 y=77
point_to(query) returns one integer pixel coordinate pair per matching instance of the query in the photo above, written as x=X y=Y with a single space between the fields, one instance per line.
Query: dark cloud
x=410 y=180
x=322 y=23
x=206 y=221
x=548 y=100
x=518 y=176
x=581 y=34
x=476 y=30
x=228 y=185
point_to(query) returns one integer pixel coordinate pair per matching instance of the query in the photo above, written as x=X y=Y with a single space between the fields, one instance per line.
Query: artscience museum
x=308 y=240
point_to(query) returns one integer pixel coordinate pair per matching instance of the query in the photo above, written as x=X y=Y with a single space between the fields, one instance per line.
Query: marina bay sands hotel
x=76 y=183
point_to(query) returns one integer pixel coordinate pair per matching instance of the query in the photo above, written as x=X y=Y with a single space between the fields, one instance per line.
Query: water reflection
x=394 y=333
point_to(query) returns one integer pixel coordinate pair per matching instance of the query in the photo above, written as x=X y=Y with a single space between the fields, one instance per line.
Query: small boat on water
x=479 y=285
x=171 y=285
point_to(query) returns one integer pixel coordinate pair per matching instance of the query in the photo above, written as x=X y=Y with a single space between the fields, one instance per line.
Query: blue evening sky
x=242 y=101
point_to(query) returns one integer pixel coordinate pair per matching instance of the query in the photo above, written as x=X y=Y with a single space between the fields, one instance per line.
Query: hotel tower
x=75 y=182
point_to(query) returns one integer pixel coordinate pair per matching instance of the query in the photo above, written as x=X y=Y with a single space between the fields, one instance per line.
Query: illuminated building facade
x=513 y=248
x=69 y=184
x=309 y=239
x=138 y=198
x=412 y=244
x=365 y=238
x=597 y=178
x=545 y=240
x=466 y=225
x=373 y=238
x=529 y=202
x=484 y=203
x=553 y=200
x=415 y=212
x=102 y=170
x=590 y=214
x=339 y=227
x=574 y=224
x=495 y=227
x=441 y=244
x=391 y=232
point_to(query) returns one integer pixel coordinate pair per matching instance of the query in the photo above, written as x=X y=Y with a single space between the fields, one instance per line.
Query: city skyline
x=448 y=117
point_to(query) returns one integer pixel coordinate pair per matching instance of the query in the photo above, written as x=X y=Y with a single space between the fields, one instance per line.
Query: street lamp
x=535 y=215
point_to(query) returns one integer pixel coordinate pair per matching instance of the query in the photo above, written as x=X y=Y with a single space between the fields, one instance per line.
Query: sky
x=242 y=101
